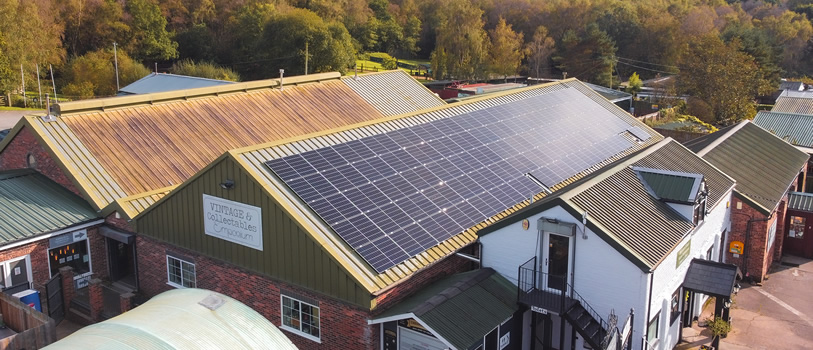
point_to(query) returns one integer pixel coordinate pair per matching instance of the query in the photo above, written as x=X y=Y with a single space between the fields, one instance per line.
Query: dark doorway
x=558 y=261
x=542 y=332
x=121 y=261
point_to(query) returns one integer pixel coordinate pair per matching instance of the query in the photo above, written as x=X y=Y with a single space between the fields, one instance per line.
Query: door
x=18 y=271
x=799 y=236
x=120 y=258
x=556 y=261
x=53 y=291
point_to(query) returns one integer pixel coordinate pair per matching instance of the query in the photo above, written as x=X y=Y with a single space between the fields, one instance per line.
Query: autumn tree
x=506 y=51
x=207 y=70
x=6 y=83
x=31 y=36
x=539 y=50
x=242 y=45
x=588 y=56
x=634 y=84
x=329 y=45
x=149 y=37
x=461 y=47
x=94 y=74
x=723 y=77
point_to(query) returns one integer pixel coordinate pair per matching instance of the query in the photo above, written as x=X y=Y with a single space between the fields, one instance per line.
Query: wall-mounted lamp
x=727 y=304
x=227 y=185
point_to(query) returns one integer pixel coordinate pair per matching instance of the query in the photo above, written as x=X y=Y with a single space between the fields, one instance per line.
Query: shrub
x=718 y=326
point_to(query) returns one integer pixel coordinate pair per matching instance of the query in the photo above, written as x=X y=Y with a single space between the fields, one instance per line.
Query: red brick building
x=766 y=169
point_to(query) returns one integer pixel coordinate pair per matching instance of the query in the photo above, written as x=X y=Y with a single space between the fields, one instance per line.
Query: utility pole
x=306 y=58
x=116 y=61
x=52 y=82
x=22 y=75
x=39 y=87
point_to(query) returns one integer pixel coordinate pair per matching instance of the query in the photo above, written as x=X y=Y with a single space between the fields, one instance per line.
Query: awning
x=712 y=278
x=460 y=309
x=118 y=235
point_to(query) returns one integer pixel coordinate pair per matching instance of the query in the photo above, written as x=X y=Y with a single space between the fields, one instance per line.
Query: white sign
x=539 y=310
x=505 y=340
x=233 y=221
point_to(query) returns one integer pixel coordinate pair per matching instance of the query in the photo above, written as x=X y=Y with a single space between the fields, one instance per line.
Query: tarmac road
x=9 y=118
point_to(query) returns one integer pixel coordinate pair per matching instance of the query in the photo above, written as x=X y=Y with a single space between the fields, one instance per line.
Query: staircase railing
x=529 y=279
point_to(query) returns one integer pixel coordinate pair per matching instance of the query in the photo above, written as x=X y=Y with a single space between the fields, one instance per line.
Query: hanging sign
x=736 y=247
x=233 y=221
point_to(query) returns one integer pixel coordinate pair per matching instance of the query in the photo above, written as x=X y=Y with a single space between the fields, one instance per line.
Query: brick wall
x=446 y=267
x=756 y=247
x=38 y=252
x=15 y=156
x=343 y=326
x=98 y=254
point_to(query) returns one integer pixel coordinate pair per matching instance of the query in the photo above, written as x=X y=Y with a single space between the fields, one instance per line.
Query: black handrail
x=527 y=281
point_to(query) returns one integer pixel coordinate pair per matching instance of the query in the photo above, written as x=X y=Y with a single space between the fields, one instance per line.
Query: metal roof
x=764 y=165
x=610 y=94
x=133 y=145
x=254 y=158
x=622 y=209
x=670 y=185
x=461 y=308
x=160 y=82
x=31 y=204
x=800 y=102
x=794 y=128
x=792 y=85
x=393 y=92
x=711 y=278
x=186 y=318
x=800 y=201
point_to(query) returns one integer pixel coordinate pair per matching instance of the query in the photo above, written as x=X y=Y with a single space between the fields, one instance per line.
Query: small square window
x=301 y=318
x=180 y=273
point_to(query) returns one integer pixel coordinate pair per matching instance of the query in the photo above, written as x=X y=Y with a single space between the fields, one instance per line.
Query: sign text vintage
x=233 y=221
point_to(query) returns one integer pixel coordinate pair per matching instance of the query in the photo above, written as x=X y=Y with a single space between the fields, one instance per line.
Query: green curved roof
x=177 y=319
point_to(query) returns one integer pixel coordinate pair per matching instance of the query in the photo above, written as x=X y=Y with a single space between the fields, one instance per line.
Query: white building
x=621 y=238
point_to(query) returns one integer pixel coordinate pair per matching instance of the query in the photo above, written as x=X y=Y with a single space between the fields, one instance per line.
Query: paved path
x=776 y=315
x=9 y=118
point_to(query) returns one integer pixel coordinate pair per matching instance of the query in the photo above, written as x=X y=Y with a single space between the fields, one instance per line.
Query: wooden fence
x=34 y=329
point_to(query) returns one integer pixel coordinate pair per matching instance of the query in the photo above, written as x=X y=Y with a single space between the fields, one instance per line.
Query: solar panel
x=394 y=195
x=639 y=133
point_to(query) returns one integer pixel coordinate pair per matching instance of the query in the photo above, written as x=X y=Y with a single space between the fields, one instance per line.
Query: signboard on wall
x=233 y=221
x=736 y=247
x=683 y=253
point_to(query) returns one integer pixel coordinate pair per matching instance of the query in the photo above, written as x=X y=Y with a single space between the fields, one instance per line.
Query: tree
x=329 y=46
x=90 y=25
x=31 y=36
x=588 y=56
x=461 y=47
x=6 y=83
x=539 y=50
x=506 y=49
x=721 y=76
x=94 y=75
x=635 y=84
x=207 y=70
x=242 y=44
x=150 y=39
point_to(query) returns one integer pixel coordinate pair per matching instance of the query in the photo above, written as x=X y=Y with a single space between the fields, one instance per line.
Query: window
x=797 y=227
x=709 y=253
x=675 y=304
x=652 y=330
x=300 y=317
x=180 y=273
x=700 y=206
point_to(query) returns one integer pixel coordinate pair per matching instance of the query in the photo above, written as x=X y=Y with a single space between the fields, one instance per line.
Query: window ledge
x=300 y=333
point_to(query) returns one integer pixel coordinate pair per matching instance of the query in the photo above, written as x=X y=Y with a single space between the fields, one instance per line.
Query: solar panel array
x=393 y=195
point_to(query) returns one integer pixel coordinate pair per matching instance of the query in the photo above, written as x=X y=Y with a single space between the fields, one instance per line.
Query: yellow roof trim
x=122 y=205
x=74 y=107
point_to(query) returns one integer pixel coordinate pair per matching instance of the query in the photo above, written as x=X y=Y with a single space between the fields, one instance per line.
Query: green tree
x=90 y=25
x=506 y=52
x=539 y=50
x=6 y=83
x=94 y=75
x=31 y=35
x=207 y=70
x=588 y=56
x=241 y=46
x=461 y=47
x=329 y=46
x=150 y=39
x=634 y=84
x=723 y=77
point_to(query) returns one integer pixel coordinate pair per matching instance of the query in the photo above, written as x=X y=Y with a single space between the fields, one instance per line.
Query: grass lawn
x=3 y=108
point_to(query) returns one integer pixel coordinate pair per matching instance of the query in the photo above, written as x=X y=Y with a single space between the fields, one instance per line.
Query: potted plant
x=719 y=327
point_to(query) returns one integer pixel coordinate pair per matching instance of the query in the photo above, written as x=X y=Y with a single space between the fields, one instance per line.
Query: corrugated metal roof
x=800 y=201
x=31 y=204
x=176 y=319
x=393 y=92
x=254 y=158
x=787 y=104
x=796 y=129
x=610 y=94
x=461 y=308
x=132 y=205
x=160 y=82
x=792 y=85
x=764 y=165
x=671 y=186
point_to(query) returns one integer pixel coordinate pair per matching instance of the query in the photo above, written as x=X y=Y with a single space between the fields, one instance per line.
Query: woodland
x=722 y=53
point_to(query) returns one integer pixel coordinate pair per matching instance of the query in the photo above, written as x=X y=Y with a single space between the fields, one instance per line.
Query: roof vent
x=540 y=183
x=212 y=302
x=281 y=73
x=48 y=117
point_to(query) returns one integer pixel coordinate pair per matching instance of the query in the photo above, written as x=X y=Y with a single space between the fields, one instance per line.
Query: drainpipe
x=748 y=239
x=645 y=346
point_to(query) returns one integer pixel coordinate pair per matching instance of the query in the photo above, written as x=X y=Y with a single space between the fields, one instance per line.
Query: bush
x=718 y=326
x=203 y=70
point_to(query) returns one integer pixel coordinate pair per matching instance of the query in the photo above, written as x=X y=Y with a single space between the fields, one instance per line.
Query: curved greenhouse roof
x=182 y=319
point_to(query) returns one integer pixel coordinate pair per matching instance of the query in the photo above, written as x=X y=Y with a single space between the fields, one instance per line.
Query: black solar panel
x=394 y=195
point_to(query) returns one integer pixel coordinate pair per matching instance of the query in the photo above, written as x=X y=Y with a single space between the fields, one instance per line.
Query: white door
x=411 y=340
x=556 y=261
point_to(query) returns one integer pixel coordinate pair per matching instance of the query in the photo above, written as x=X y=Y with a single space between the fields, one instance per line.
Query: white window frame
x=7 y=272
x=294 y=330
x=182 y=261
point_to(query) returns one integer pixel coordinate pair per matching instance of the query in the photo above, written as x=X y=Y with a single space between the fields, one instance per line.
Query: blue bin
x=31 y=298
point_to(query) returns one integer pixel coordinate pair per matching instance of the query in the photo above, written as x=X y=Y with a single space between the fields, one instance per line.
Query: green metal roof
x=31 y=204
x=186 y=318
x=623 y=212
x=800 y=201
x=461 y=308
x=794 y=128
x=669 y=185
x=764 y=165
